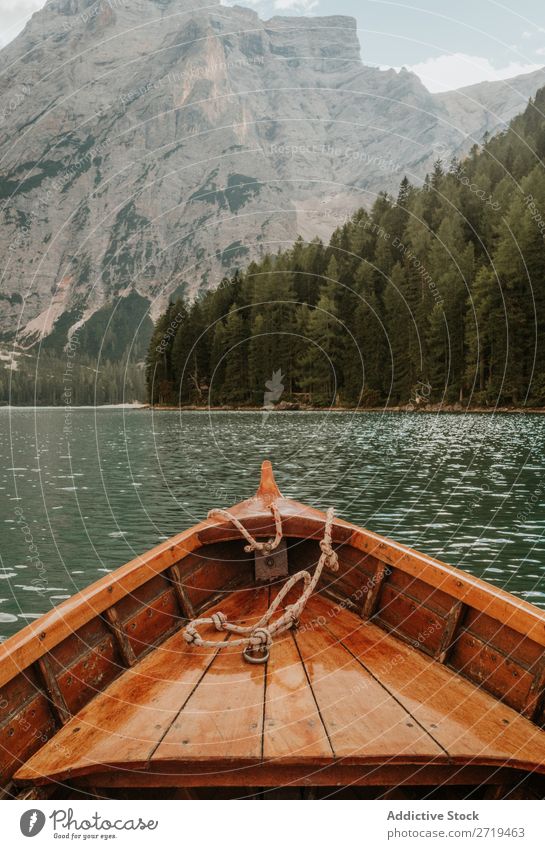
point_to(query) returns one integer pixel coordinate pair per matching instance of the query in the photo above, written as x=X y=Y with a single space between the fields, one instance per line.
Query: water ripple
x=468 y=489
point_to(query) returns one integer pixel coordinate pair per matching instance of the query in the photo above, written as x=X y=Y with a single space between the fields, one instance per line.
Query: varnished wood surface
x=125 y=724
x=299 y=521
x=338 y=692
x=61 y=664
x=362 y=719
x=464 y=719
x=293 y=728
x=223 y=718
x=278 y=773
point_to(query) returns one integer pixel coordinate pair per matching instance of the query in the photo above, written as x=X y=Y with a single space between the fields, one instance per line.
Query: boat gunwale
x=214 y=766
x=335 y=774
x=18 y=652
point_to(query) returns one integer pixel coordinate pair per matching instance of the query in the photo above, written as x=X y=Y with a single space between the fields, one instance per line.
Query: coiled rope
x=258 y=639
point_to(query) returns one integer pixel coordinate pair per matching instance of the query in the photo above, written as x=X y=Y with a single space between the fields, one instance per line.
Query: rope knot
x=190 y=634
x=331 y=560
x=292 y=614
x=261 y=638
x=264 y=547
x=219 y=620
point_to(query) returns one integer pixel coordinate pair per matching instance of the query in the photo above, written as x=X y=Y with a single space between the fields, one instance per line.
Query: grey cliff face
x=148 y=144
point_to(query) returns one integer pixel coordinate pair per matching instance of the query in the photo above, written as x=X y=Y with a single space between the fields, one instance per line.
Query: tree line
x=56 y=380
x=436 y=295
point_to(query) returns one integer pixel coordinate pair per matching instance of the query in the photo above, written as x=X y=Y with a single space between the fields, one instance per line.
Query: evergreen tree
x=235 y=375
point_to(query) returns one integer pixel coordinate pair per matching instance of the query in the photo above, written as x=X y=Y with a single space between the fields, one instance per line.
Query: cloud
x=278 y=5
x=455 y=70
x=295 y=5
x=532 y=33
x=13 y=16
x=237 y=3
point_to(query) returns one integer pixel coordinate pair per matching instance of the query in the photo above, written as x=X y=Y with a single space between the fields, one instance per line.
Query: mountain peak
x=148 y=145
x=330 y=37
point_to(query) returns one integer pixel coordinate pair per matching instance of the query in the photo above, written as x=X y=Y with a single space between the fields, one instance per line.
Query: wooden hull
x=404 y=674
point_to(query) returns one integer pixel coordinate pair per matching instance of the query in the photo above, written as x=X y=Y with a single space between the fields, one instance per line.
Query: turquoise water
x=86 y=491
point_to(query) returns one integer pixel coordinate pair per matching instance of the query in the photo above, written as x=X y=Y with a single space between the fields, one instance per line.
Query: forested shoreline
x=434 y=299
x=436 y=296
x=52 y=379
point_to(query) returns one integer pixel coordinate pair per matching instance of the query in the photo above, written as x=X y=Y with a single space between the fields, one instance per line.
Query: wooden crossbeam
x=123 y=642
x=181 y=594
x=536 y=693
x=371 y=599
x=56 y=698
x=451 y=626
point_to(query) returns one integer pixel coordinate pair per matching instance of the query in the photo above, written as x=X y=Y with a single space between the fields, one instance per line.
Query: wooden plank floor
x=335 y=692
x=465 y=720
x=224 y=715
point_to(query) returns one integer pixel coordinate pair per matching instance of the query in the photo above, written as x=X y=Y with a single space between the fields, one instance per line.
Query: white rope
x=259 y=637
x=253 y=544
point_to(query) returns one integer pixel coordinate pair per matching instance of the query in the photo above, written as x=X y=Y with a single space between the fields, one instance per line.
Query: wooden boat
x=403 y=678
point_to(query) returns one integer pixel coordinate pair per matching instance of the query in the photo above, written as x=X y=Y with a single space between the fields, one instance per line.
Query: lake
x=85 y=491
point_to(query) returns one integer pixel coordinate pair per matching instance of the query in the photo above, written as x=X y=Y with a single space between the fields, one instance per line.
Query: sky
x=447 y=44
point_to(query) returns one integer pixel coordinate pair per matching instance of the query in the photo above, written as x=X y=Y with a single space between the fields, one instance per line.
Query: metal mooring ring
x=250 y=655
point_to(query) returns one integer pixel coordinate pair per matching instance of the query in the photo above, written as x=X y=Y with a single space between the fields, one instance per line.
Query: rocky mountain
x=149 y=146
